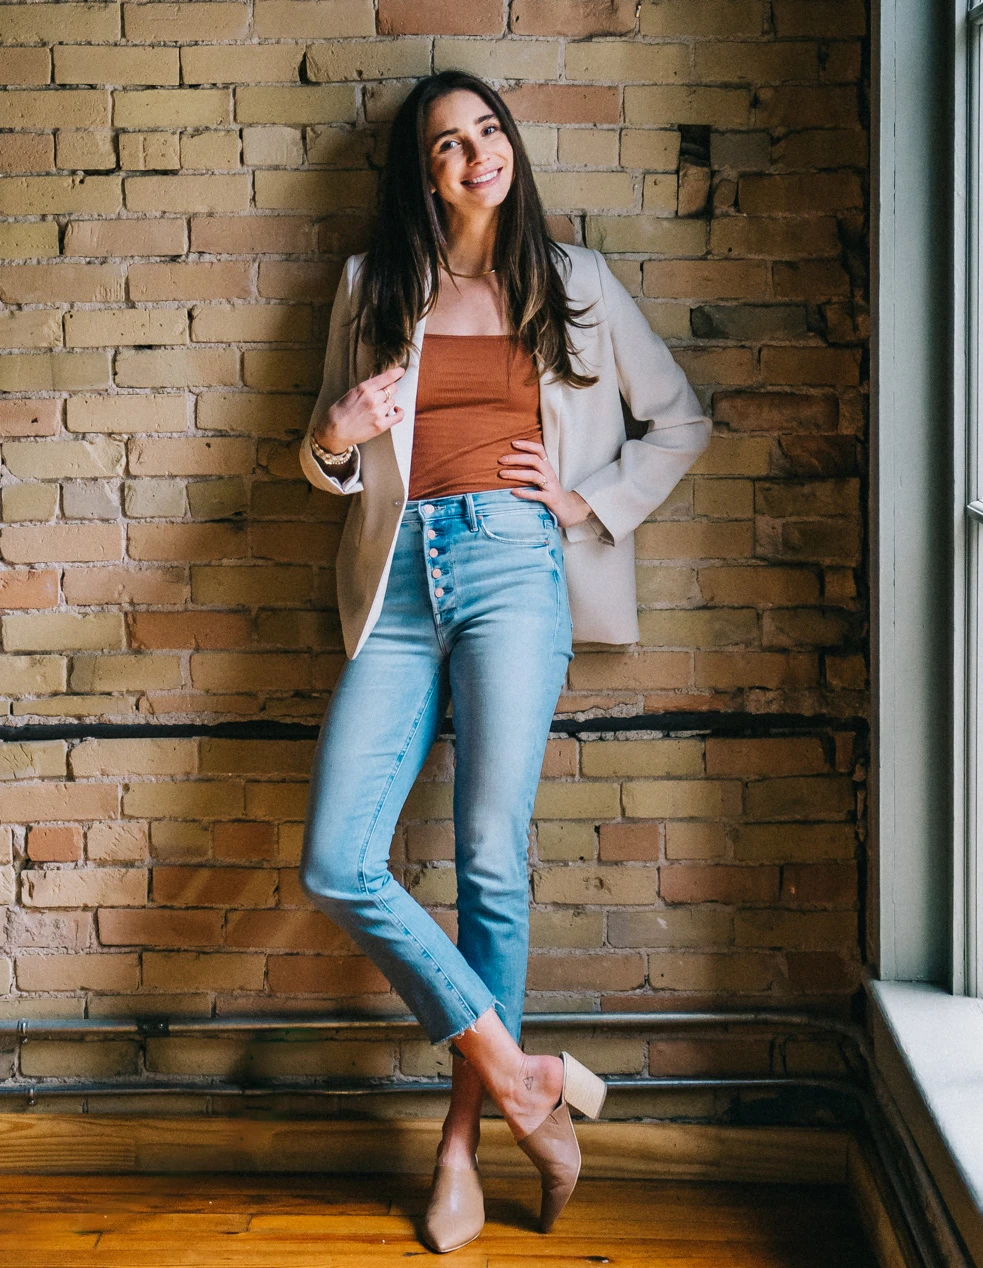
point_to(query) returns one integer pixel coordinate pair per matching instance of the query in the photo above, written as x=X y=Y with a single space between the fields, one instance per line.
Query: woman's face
x=470 y=157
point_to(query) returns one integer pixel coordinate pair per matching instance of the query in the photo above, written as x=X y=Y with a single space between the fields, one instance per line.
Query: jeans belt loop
x=472 y=518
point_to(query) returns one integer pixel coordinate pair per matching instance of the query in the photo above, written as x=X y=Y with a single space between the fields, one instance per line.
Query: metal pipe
x=400 y=1025
x=364 y=1088
x=929 y=1236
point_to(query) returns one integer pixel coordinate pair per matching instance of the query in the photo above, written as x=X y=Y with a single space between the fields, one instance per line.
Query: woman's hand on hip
x=363 y=412
x=532 y=466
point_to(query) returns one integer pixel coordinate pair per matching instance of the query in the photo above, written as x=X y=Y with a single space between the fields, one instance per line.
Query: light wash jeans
x=476 y=611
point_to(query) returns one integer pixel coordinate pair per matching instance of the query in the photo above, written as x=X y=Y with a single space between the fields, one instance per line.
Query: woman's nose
x=475 y=151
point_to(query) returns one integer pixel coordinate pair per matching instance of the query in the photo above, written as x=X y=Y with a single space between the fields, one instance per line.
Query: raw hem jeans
x=475 y=612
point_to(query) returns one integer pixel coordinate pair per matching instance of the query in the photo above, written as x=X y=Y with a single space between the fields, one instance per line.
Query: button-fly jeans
x=475 y=612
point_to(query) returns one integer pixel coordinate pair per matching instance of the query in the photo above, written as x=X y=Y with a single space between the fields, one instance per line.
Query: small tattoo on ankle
x=528 y=1081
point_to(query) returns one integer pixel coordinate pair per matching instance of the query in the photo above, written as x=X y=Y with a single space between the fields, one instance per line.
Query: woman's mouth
x=486 y=178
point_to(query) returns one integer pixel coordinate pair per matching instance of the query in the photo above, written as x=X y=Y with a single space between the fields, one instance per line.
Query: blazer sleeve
x=334 y=384
x=625 y=492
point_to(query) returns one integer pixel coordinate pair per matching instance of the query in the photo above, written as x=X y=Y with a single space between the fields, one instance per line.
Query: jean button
x=435 y=572
x=439 y=591
x=431 y=532
x=432 y=551
x=428 y=509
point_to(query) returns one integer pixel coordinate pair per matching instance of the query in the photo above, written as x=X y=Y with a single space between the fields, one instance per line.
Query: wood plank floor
x=327 y=1221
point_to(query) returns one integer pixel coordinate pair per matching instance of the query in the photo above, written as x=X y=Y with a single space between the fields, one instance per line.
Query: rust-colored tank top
x=472 y=401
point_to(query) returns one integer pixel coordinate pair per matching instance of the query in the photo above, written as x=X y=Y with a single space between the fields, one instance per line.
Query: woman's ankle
x=458 y=1145
x=533 y=1094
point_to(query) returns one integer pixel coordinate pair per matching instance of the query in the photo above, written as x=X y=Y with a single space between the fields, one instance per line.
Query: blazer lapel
x=404 y=395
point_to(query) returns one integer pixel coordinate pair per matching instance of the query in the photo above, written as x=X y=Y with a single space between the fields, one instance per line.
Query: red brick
x=817 y=456
x=334 y=975
x=819 y=884
x=253 y=841
x=55 y=844
x=29 y=418
x=610 y=971
x=290 y=893
x=563 y=103
x=160 y=928
x=846 y=745
x=248 y=235
x=632 y=841
x=796 y=930
x=213 y=886
x=294 y=543
x=441 y=17
x=29 y=588
x=717 y=882
x=790 y=755
x=285 y=931
x=776 y=411
x=188 y=629
x=575 y=18
x=821 y=971
x=709 y=1057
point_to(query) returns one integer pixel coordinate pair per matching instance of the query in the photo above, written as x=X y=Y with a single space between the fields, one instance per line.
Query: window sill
x=928 y=1045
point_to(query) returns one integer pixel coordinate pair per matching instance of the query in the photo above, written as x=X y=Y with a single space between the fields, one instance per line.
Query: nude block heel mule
x=456 y=1211
x=553 y=1146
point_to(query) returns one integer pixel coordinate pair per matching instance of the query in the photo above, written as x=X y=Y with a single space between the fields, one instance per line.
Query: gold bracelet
x=329 y=458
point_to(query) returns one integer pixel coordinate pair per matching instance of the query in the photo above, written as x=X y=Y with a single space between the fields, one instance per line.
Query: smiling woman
x=452 y=129
x=485 y=448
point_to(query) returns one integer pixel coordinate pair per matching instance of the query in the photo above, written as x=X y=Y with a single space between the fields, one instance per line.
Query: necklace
x=484 y=274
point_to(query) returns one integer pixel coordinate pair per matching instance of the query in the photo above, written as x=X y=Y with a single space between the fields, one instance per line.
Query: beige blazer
x=624 y=480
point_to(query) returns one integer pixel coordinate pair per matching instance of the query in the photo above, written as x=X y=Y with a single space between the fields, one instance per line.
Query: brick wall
x=170 y=238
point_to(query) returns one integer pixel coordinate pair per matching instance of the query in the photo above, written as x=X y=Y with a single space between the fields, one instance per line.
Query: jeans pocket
x=516 y=527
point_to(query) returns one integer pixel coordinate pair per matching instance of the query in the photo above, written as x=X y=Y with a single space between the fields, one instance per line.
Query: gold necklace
x=453 y=274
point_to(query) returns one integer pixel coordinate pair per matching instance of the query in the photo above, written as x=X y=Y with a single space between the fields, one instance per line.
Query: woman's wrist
x=582 y=508
x=325 y=436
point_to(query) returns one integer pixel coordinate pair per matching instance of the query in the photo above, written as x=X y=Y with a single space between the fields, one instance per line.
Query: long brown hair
x=409 y=244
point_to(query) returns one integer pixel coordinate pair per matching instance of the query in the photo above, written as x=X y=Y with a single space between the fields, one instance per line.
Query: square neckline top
x=470 y=406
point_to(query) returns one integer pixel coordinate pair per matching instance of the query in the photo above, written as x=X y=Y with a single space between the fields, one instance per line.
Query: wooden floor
x=325 y=1221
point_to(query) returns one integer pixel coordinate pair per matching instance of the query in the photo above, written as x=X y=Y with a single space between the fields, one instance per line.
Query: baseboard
x=877 y=1208
x=93 y=1143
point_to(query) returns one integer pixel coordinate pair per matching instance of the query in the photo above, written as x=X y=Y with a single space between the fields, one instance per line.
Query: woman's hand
x=533 y=467
x=363 y=412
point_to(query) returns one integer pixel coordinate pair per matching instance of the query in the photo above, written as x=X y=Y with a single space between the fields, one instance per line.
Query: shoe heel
x=582 y=1088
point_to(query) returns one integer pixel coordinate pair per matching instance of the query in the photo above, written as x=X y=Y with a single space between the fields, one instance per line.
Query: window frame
x=916 y=798
x=923 y=979
x=967 y=895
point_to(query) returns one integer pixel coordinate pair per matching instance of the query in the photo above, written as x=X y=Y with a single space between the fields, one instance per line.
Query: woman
x=498 y=495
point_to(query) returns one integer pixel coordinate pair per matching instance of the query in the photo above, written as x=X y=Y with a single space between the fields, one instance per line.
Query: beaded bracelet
x=332 y=459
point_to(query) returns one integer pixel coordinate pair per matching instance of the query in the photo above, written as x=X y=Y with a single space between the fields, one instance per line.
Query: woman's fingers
x=386 y=378
x=532 y=475
x=537 y=468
